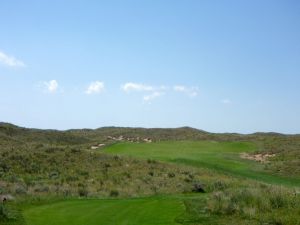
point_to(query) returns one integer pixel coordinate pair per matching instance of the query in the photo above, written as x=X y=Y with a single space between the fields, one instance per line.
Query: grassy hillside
x=75 y=172
x=286 y=147
x=66 y=175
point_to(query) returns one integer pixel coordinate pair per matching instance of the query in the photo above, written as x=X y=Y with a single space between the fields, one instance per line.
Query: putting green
x=220 y=156
x=148 y=211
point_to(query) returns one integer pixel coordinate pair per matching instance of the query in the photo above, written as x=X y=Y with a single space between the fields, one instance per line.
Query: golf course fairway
x=219 y=156
x=150 y=211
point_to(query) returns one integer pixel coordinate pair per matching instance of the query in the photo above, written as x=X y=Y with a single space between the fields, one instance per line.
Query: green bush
x=83 y=192
x=171 y=174
x=114 y=193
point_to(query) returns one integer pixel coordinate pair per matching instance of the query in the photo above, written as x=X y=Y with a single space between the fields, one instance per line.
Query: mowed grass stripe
x=220 y=156
x=148 y=211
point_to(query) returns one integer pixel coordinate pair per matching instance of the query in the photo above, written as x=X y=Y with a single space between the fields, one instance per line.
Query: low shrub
x=171 y=174
x=151 y=161
x=114 y=193
x=198 y=187
x=83 y=192
x=151 y=173
x=71 y=178
x=21 y=190
x=41 y=189
x=54 y=175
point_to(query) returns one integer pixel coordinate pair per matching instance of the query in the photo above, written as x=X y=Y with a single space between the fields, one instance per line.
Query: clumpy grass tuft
x=271 y=204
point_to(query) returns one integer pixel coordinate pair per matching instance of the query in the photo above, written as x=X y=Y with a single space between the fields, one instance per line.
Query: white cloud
x=156 y=94
x=136 y=87
x=154 y=91
x=51 y=86
x=190 y=91
x=179 y=88
x=10 y=60
x=95 y=88
x=226 y=101
x=157 y=91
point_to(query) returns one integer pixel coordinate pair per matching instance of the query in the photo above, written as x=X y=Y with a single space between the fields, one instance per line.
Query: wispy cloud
x=10 y=60
x=226 y=101
x=95 y=87
x=127 y=87
x=190 y=91
x=153 y=92
x=156 y=94
x=51 y=86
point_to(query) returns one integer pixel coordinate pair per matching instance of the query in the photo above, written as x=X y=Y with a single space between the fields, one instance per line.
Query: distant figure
x=4 y=199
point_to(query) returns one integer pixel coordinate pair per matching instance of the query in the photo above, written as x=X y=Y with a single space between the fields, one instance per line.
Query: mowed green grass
x=220 y=156
x=148 y=211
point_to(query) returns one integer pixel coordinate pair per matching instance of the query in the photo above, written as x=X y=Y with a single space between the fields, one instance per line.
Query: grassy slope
x=51 y=150
x=221 y=156
x=148 y=211
x=286 y=147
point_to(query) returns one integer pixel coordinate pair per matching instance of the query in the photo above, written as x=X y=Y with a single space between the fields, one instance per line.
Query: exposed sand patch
x=130 y=139
x=97 y=146
x=262 y=158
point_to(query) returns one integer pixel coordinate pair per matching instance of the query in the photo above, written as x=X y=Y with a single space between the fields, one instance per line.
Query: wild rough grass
x=252 y=204
x=10 y=215
x=66 y=172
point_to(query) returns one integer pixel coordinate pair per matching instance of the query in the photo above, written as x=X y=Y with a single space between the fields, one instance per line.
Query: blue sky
x=221 y=66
